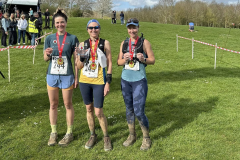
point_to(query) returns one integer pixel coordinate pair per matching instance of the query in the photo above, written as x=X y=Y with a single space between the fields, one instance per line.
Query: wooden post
x=215 y=62
x=192 y=47
x=177 y=42
x=8 y=65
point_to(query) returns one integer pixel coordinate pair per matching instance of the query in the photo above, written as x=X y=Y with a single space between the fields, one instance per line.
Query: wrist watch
x=145 y=59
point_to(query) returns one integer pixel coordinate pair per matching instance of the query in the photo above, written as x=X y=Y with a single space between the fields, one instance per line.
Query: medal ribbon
x=130 y=47
x=93 y=53
x=60 y=49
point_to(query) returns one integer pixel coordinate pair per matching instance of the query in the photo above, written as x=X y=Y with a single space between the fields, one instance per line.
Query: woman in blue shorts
x=59 y=48
x=95 y=61
x=135 y=54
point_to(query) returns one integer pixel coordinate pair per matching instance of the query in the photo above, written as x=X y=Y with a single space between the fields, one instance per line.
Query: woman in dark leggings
x=135 y=54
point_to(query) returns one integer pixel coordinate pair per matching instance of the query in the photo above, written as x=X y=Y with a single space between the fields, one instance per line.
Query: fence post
x=192 y=47
x=215 y=62
x=34 y=52
x=8 y=65
x=177 y=42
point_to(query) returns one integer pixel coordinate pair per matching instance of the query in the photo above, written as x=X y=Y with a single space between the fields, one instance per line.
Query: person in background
x=115 y=17
x=39 y=13
x=5 y=26
x=17 y=15
x=40 y=28
x=12 y=30
x=112 y=15
x=135 y=54
x=191 y=26
x=1 y=14
x=122 y=18
x=31 y=13
x=22 y=25
x=47 y=18
x=33 y=27
x=53 y=20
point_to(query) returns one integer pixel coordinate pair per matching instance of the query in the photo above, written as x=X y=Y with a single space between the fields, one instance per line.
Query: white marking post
x=44 y=42
x=177 y=42
x=8 y=65
x=192 y=47
x=215 y=63
x=34 y=52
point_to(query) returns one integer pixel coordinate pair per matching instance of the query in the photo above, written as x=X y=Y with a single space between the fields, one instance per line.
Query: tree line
x=182 y=12
x=79 y=8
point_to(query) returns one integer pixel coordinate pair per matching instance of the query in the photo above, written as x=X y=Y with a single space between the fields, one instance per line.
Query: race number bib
x=59 y=69
x=130 y=66
x=89 y=71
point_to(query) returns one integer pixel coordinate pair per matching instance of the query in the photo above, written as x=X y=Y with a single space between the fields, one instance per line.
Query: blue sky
x=122 y=5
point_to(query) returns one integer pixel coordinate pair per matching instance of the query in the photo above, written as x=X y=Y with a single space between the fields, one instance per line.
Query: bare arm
x=78 y=62
x=148 y=50
x=122 y=58
x=109 y=57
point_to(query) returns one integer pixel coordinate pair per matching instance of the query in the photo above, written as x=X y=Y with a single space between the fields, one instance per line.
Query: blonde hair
x=12 y=19
x=23 y=15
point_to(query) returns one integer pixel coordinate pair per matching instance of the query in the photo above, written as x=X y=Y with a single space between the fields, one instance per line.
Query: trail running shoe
x=130 y=140
x=107 y=144
x=91 y=142
x=53 y=139
x=66 y=140
x=146 y=144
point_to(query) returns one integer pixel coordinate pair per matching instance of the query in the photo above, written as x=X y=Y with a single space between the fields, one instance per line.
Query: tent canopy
x=23 y=2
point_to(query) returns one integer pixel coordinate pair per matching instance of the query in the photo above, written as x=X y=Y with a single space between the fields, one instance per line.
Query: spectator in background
x=22 y=25
x=112 y=17
x=115 y=19
x=122 y=18
x=191 y=26
x=17 y=15
x=15 y=9
x=40 y=13
x=1 y=14
x=12 y=30
x=40 y=28
x=5 y=26
x=47 y=20
x=31 y=13
x=53 y=20
x=33 y=27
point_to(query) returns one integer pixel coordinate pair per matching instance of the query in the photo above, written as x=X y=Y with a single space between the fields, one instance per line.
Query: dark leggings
x=134 y=95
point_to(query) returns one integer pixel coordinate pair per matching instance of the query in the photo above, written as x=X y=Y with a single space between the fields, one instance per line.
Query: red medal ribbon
x=130 y=47
x=60 y=49
x=93 y=53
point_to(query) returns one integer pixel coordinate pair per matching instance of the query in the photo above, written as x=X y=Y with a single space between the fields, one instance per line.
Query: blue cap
x=93 y=20
x=132 y=23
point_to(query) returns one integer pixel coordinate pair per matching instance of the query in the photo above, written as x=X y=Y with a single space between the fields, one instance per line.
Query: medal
x=93 y=66
x=60 y=49
x=131 y=64
x=60 y=61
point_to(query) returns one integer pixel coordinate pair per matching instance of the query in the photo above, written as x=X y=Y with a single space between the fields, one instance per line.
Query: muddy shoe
x=146 y=144
x=53 y=139
x=130 y=140
x=91 y=142
x=66 y=140
x=107 y=144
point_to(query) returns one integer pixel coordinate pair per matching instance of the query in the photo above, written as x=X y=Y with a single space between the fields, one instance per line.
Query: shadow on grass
x=18 y=108
x=175 y=113
x=189 y=74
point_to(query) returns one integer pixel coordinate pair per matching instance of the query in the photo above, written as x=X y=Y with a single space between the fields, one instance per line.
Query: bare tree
x=103 y=6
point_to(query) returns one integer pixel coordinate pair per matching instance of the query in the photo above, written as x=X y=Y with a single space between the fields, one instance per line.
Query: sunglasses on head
x=96 y=27
x=132 y=20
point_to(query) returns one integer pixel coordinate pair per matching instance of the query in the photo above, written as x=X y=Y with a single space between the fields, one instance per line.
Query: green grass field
x=193 y=109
